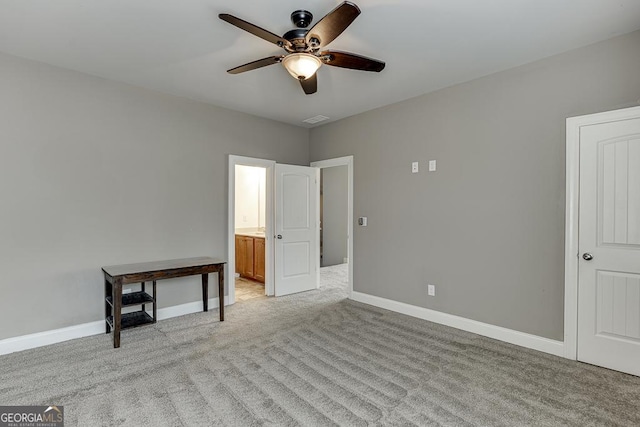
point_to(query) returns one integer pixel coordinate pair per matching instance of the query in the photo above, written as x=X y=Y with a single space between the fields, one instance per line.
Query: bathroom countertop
x=250 y=232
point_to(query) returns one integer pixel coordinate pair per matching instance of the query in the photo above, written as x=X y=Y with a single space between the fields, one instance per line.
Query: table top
x=172 y=264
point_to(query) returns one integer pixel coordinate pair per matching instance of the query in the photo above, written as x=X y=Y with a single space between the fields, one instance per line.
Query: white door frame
x=344 y=161
x=572 y=217
x=269 y=165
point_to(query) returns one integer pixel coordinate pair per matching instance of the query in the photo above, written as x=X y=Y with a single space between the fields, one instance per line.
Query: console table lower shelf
x=116 y=276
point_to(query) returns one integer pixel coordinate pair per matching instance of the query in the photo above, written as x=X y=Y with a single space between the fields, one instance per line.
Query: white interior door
x=609 y=243
x=297 y=229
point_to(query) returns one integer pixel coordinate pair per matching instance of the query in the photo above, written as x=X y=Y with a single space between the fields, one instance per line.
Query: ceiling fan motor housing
x=296 y=37
x=301 y=18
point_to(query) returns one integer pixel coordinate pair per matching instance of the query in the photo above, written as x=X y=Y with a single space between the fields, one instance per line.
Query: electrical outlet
x=431 y=290
x=415 y=167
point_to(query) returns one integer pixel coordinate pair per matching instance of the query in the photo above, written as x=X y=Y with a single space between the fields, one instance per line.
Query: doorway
x=333 y=216
x=250 y=228
x=291 y=224
x=250 y=204
x=336 y=213
x=602 y=287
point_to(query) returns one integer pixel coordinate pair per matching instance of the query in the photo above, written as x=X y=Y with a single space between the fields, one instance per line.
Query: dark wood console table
x=117 y=275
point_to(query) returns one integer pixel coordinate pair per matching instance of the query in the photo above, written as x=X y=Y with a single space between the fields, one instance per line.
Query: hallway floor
x=247 y=289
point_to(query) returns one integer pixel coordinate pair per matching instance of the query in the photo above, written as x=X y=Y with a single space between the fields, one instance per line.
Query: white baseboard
x=188 y=308
x=522 y=339
x=39 y=339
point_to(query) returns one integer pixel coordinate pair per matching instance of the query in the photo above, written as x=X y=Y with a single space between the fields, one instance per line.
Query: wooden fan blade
x=332 y=25
x=310 y=85
x=351 y=60
x=256 y=64
x=255 y=30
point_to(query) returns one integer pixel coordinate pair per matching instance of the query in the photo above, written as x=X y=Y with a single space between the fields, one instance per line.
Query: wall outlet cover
x=431 y=290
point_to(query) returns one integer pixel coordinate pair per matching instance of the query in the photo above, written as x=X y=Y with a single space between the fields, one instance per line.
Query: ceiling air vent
x=316 y=119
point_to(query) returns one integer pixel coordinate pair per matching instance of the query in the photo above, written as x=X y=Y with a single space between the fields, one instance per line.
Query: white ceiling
x=181 y=47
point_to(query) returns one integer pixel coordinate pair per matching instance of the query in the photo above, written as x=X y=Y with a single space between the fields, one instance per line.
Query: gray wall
x=334 y=215
x=97 y=173
x=94 y=173
x=488 y=227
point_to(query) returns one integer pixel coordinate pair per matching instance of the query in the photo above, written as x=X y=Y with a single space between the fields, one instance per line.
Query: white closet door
x=609 y=242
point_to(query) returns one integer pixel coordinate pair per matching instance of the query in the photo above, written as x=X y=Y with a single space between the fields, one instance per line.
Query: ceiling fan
x=304 y=47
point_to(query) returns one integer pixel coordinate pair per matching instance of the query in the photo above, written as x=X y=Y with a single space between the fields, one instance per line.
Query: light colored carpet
x=313 y=359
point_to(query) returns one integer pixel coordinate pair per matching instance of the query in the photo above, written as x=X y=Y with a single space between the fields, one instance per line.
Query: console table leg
x=155 y=303
x=117 y=313
x=221 y=291
x=107 y=306
x=205 y=292
x=142 y=289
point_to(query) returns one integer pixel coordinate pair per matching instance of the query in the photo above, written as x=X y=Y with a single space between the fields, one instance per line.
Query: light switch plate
x=415 y=167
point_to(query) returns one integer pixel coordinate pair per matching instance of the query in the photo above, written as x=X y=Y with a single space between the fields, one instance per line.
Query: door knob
x=279 y=236
x=587 y=256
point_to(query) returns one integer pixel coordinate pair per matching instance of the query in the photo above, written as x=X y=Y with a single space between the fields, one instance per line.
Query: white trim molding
x=344 y=161
x=188 y=308
x=54 y=336
x=521 y=339
x=40 y=339
x=572 y=248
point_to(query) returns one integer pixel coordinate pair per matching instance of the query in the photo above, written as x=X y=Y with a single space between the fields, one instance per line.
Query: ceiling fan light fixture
x=301 y=65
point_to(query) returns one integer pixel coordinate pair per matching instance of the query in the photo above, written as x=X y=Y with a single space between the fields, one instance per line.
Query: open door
x=609 y=244
x=297 y=229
